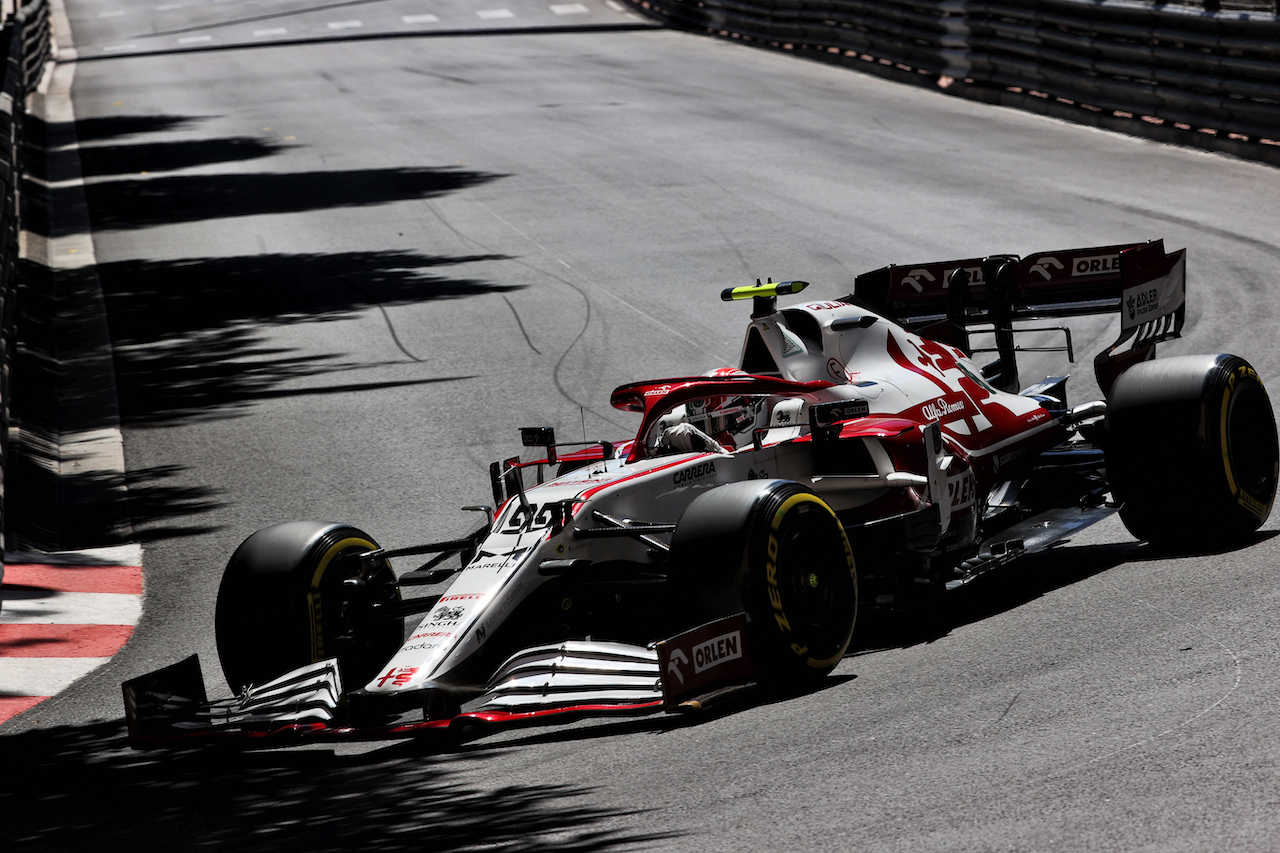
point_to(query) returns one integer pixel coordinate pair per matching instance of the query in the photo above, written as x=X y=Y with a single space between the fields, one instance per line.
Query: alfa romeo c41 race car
x=861 y=454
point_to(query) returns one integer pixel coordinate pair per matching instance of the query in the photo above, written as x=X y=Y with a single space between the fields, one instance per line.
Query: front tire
x=286 y=601
x=775 y=550
x=1193 y=455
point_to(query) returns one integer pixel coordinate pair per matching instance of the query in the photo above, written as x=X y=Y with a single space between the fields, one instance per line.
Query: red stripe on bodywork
x=903 y=360
x=62 y=641
x=530 y=716
x=126 y=579
x=310 y=732
x=595 y=490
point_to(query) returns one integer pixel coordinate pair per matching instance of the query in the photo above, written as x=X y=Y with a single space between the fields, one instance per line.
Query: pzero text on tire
x=1193 y=455
x=773 y=549
x=292 y=594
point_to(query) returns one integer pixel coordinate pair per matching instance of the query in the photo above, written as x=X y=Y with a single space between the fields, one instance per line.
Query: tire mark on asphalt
x=1235 y=683
x=555 y=373
x=586 y=324
x=1007 y=708
x=386 y=318
x=645 y=314
x=516 y=314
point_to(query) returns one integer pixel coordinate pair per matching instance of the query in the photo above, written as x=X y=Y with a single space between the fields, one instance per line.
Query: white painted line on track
x=345 y=25
x=195 y=39
x=63 y=618
x=114 y=48
x=44 y=676
x=114 y=13
x=569 y=9
x=53 y=607
x=614 y=5
x=274 y=31
x=494 y=14
x=420 y=19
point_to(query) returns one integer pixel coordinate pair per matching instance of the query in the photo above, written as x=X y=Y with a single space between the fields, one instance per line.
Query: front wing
x=546 y=684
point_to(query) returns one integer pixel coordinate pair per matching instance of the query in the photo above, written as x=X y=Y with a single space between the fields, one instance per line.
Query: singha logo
x=1129 y=304
x=448 y=614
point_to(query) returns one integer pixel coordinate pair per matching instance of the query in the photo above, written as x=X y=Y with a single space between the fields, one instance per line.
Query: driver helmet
x=724 y=418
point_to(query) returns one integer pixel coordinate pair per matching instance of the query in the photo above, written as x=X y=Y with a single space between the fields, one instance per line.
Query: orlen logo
x=916 y=278
x=717 y=650
x=1095 y=265
x=1043 y=267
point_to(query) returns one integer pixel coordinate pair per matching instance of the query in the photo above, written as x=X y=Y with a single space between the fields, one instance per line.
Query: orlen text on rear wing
x=942 y=300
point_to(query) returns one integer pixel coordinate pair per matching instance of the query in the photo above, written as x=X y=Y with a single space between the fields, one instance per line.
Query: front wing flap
x=171 y=703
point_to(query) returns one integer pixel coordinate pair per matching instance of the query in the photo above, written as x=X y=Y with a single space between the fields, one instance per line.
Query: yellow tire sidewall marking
x=315 y=610
x=771 y=572
x=1243 y=498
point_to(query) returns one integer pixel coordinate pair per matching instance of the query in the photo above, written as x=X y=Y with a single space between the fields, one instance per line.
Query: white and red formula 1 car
x=858 y=454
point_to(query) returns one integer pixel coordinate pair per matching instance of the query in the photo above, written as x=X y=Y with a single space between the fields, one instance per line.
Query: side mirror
x=540 y=437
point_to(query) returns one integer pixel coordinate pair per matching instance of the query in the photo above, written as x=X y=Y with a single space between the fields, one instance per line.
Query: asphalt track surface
x=340 y=273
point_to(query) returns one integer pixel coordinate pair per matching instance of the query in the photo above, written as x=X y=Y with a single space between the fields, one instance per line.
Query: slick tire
x=1193 y=455
x=775 y=550
x=284 y=603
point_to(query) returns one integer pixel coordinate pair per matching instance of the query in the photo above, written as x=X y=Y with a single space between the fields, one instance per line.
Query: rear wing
x=1140 y=281
x=1048 y=284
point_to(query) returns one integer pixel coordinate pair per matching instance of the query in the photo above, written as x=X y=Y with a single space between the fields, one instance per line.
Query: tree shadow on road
x=128 y=195
x=161 y=300
x=79 y=788
x=136 y=158
x=189 y=342
x=189 y=337
x=127 y=203
x=117 y=126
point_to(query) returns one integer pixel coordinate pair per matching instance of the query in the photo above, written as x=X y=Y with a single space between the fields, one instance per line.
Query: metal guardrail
x=25 y=41
x=37 y=44
x=1205 y=74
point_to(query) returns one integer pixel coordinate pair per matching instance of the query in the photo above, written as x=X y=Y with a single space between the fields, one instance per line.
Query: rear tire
x=775 y=550
x=284 y=603
x=1193 y=455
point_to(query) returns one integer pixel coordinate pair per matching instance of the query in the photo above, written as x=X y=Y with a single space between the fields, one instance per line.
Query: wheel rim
x=1251 y=443
x=815 y=581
